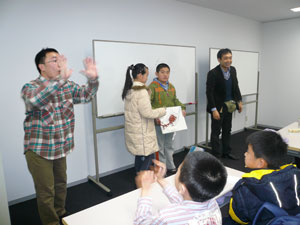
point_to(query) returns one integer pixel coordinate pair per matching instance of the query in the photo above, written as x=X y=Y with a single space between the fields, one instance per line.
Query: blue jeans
x=143 y=162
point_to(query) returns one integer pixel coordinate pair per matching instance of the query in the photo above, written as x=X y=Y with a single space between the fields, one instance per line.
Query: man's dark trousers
x=224 y=124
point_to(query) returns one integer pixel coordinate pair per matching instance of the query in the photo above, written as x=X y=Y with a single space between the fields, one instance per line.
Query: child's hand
x=157 y=121
x=160 y=169
x=143 y=180
x=184 y=113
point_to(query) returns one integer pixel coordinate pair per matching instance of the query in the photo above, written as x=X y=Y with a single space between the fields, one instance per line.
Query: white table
x=293 y=139
x=121 y=210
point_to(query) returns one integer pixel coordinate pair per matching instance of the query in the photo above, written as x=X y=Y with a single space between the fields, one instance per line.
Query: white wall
x=4 y=214
x=70 y=26
x=280 y=73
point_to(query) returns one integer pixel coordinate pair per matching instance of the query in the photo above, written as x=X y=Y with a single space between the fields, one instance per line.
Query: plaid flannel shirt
x=49 y=122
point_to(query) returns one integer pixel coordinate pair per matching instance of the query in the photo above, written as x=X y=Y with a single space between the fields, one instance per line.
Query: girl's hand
x=157 y=121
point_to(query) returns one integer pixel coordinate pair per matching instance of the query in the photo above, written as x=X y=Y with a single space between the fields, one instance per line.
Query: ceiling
x=260 y=10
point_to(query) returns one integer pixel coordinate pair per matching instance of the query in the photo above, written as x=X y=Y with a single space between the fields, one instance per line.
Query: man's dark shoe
x=217 y=155
x=230 y=156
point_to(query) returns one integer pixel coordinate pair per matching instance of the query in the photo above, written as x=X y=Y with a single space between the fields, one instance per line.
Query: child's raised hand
x=144 y=179
x=160 y=169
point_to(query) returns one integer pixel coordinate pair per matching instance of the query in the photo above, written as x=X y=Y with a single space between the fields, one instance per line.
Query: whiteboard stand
x=256 y=107
x=96 y=179
x=196 y=108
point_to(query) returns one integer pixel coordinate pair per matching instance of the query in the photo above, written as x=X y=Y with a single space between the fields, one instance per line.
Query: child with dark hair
x=163 y=94
x=140 y=136
x=198 y=180
x=271 y=182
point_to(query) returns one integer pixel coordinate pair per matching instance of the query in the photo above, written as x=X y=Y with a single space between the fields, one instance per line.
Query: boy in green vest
x=163 y=94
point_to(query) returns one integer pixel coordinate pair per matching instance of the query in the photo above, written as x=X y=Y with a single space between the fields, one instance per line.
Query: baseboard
x=115 y=171
x=29 y=197
x=269 y=126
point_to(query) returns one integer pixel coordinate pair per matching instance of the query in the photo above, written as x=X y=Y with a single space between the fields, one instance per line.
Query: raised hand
x=143 y=180
x=90 y=69
x=160 y=169
x=65 y=72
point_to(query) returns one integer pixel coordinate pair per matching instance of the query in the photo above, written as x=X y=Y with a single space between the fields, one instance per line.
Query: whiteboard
x=246 y=64
x=113 y=58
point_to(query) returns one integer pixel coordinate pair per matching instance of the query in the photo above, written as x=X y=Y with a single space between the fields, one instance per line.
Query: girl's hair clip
x=131 y=67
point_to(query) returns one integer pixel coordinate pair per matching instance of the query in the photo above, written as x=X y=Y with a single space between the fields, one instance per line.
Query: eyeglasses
x=52 y=61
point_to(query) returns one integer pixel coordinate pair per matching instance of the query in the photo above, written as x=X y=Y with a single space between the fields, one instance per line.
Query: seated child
x=198 y=180
x=270 y=182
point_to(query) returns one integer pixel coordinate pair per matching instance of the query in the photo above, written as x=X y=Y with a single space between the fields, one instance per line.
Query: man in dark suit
x=223 y=96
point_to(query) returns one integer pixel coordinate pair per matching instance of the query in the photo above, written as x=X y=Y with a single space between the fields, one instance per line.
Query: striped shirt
x=179 y=212
x=49 y=122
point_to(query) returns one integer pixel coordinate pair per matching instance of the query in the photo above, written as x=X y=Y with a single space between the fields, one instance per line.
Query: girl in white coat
x=140 y=135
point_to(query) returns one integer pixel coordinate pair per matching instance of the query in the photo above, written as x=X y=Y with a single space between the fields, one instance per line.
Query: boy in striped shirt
x=198 y=180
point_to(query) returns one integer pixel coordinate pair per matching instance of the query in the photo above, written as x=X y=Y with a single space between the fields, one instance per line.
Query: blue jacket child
x=270 y=182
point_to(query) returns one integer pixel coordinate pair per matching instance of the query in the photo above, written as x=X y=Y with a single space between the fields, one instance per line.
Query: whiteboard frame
x=142 y=43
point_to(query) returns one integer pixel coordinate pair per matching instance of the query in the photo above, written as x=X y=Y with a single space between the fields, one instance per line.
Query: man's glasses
x=52 y=61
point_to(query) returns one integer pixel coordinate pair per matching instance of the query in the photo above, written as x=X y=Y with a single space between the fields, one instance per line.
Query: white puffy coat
x=140 y=135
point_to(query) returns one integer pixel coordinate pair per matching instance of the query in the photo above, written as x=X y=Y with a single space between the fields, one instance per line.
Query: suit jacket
x=216 y=89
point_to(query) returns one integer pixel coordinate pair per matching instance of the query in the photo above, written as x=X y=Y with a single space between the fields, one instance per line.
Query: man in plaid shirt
x=49 y=127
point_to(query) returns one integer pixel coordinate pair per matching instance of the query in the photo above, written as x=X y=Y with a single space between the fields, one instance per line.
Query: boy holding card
x=163 y=94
